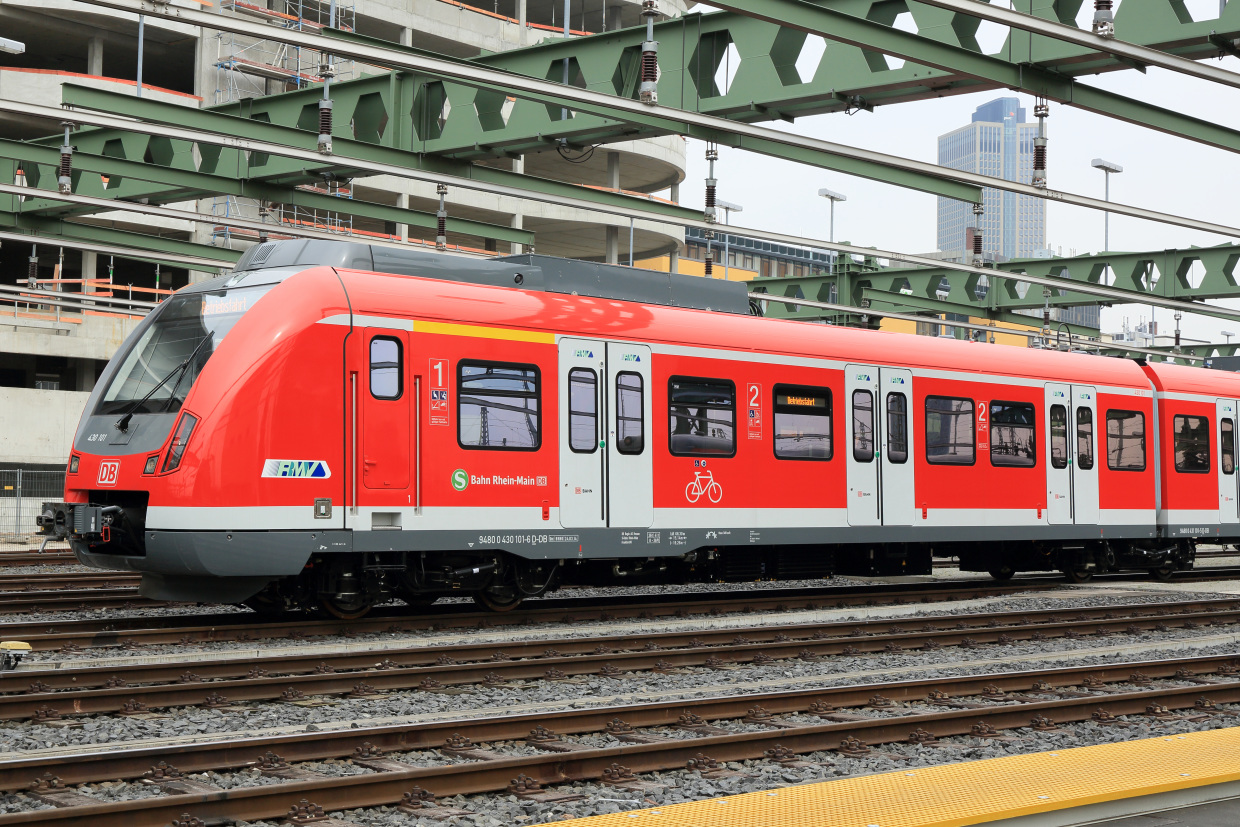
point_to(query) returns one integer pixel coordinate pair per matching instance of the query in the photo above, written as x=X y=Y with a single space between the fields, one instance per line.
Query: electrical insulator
x=325 y=127
x=977 y=235
x=648 y=91
x=441 y=225
x=64 y=177
x=712 y=155
x=710 y=254
x=1104 y=21
x=1042 y=111
x=32 y=268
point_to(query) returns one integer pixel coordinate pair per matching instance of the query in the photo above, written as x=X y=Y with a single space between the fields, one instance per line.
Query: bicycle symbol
x=704 y=483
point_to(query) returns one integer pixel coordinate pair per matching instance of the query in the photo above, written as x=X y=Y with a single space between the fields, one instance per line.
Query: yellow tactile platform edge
x=972 y=792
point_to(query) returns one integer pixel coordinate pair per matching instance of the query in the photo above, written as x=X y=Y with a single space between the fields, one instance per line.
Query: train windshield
x=166 y=360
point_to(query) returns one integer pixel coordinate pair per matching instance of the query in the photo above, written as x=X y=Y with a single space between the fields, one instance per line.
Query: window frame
x=1221 y=452
x=852 y=429
x=925 y=407
x=1050 y=437
x=1033 y=424
x=593 y=415
x=537 y=396
x=641 y=418
x=1144 y=446
x=811 y=390
x=671 y=380
x=1093 y=431
x=1209 y=467
x=400 y=368
x=908 y=421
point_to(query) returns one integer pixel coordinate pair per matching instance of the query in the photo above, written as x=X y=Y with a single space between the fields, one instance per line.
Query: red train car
x=336 y=424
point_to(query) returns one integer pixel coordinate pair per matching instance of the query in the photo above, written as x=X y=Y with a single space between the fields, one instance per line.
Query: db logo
x=109 y=470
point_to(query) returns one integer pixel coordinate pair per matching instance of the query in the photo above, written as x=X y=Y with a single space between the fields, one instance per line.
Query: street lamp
x=12 y=47
x=833 y=197
x=1107 y=168
x=1227 y=334
x=728 y=208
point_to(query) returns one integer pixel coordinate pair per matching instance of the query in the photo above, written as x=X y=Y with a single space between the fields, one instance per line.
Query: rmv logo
x=584 y=354
x=109 y=471
x=632 y=357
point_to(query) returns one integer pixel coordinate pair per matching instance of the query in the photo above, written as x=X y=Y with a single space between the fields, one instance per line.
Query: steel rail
x=387 y=787
x=68 y=675
x=18 y=603
x=1107 y=45
x=34 y=558
x=1031 y=334
x=196 y=691
x=123 y=763
x=611 y=106
x=193 y=262
x=64 y=580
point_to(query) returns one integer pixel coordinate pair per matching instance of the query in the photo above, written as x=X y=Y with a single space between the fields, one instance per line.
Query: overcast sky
x=1161 y=172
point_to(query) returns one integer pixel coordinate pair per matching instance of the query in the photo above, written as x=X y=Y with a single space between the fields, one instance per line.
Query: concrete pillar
x=94 y=56
x=90 y=270
x=613 y=232
x=85 y=369
x=522 y=31
x=402 y=201
x=517 y=222
x=406 y=37
x=611 y=17
x=673 y=263
x=674 y=195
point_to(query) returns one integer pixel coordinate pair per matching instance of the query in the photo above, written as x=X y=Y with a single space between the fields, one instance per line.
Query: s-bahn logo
x=303 y=468
x=460 y=480
x=109 y=471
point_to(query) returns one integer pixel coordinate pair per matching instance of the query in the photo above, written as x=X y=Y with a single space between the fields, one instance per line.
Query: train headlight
x=180 y=438
x=151 y=463
x=73 y=463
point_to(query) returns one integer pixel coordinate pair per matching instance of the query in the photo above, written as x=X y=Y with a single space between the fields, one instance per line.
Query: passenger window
x=949 y=431
x=1012 y=435
x=582 y=411
x=897 y=428
x=386 y=376
x=1191 y=435
x=1084 y=439
x=863 y=426
x=702 y=417
x=1227 y=445
x=802 y=422
x=498 y=406
x=1059 y=436
x=630 y=413
x=1125 y=440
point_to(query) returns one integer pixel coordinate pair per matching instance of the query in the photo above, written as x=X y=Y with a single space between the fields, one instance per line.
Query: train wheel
x=345 y=609
x=1163 y=574
x=498 y=601
x=1003 y=572
x=1078 y=575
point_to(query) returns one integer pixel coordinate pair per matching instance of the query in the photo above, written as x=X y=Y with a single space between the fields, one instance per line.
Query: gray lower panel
x=200 y=589
x=264 y=554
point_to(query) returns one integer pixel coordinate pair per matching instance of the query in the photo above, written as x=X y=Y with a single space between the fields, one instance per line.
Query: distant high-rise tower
x=998 y=143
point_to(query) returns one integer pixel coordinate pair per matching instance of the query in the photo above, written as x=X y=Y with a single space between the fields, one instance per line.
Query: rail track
x=847 y=720
x=213 y=682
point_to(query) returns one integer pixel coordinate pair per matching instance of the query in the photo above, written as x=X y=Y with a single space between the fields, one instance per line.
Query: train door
x=1083 y=459
x=896 y=451
x=583 y=454
x=385 y=413
x=630 y=460
x=1058 y=455
x=861 y=390
x=1228 y=493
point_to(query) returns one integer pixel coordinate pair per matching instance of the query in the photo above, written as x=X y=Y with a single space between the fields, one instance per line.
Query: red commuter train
x=337 y=424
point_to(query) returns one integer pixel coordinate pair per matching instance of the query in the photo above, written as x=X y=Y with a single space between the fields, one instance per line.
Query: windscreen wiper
x=122 y=424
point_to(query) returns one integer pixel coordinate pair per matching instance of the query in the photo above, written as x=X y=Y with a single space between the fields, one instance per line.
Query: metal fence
x=22 y=493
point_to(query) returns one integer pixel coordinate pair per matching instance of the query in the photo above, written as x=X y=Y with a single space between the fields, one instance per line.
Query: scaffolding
x=278 y=215
x=246 y=67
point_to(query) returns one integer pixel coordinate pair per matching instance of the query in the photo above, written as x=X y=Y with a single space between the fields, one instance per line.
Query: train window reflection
x=1191 y=435
x=863 y=426
x=1084 y=439
x=1059 y=436
x=1125 y=440
x=949 y=431
x=385 y=368
x=1013 y=439
x=630 y=413
x=582 y=411
x=802 y=422
x=897 y=428
x=702 y=417
x=498 y=406
x=1227 y=445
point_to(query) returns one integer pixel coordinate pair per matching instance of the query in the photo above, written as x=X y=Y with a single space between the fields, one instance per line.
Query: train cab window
x=498 y=406
x=582 y=411
x=1059 y=436
x=802 y=422
x=1191 y=435
x=897 y=428
x=863 y=426
x=1125 y=440
x=1013 y=441
x=1085 y=439
x=1227 y=445
x=949 y=431
x=386 y=375
x=630 y=413
x=702 y=417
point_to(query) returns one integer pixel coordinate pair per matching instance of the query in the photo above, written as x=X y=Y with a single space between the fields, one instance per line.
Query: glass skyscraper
x=998 y=143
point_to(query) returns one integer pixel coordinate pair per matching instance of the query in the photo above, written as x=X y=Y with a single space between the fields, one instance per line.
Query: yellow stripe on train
x=481 y=332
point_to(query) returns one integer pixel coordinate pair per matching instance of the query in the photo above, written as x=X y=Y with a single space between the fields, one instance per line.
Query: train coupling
x=12 y=652
x=61 y=521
